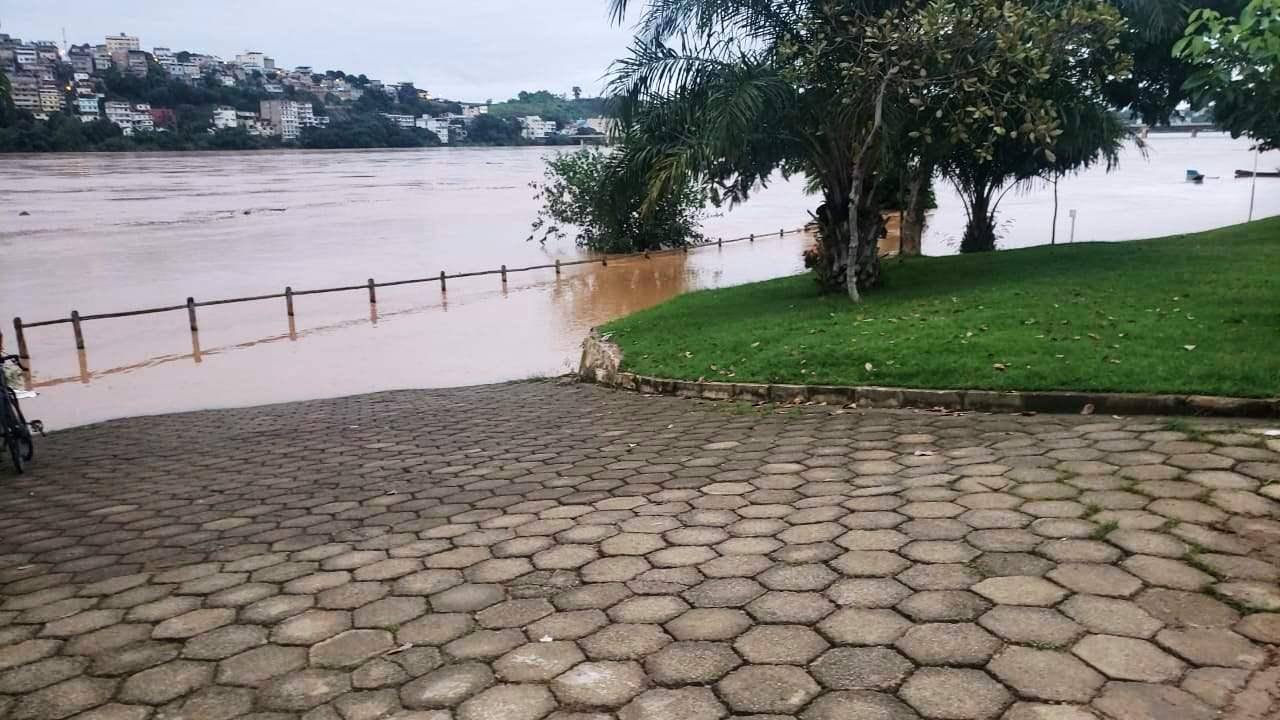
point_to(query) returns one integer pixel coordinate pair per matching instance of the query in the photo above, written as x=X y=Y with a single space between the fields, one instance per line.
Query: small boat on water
x=1249 y=173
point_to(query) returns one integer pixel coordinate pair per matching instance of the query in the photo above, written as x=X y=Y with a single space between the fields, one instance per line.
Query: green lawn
x=1188 y=314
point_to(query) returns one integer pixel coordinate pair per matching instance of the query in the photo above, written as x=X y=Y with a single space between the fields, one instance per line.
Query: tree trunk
x=830 y=260
x=980 y=234
x=913 y=216
x=866 y=225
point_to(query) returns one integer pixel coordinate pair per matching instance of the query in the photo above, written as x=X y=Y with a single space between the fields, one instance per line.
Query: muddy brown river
x=106 y=233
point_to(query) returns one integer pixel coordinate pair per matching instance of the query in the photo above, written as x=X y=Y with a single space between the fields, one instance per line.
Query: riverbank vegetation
x=1189 y=314
x=987 y=95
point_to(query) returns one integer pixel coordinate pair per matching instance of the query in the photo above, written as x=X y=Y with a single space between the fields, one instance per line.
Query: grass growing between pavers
x=1188 y=314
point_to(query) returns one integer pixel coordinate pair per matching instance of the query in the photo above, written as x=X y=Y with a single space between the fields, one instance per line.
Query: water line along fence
x=76 y=320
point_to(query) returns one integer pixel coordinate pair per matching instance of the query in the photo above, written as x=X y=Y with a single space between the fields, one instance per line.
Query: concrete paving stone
x=469 y=597
x=1212 y=646
x=479 y=515
x=623 y=641
x=782 y=689
x=1048 y=675
x=446 y=687
x=255 y=666
x=1263 y=627
x=1143 y=542
x=224 y=642
x=63 y=699
x=311 y=627
x=1031 y=626
x=484 y=644
x=351 y=648
x=1125 y=658
x=1085 y=551
x=680 y=704
x=599 y=684
x=166 y=682
x=709 y=624
x=1006 y=540
x=1043 y=711
x=953 y=644
x=28 y=678
x=378 y=673
x=955 y=694
x=780 y=645
x=870 y=563
x=1178 y=608
x=723 y=592
x=116 y=711
x=1234 y=567
x=1111 y=616
x=1163 y=572
x=508 y=702
x=1214 y=685
x=274 y=609
x=435 y=629
x=691 y=663
x=568 y=625
x=944 y=606
x=1003 y=564
x=861 y=668
x=1095 y=579
x=1020 y=590
x=1144 y=701
x=862 y=626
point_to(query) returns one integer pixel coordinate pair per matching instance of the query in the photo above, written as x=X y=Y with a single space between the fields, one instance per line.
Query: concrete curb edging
x=602 y=364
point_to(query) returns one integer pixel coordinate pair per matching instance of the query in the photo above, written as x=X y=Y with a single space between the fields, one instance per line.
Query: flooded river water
x=114 y=232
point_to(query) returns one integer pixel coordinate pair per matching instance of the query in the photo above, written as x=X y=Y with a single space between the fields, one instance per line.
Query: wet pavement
x=542 y=550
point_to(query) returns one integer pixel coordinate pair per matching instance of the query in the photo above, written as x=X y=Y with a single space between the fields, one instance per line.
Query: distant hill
x=549 y=106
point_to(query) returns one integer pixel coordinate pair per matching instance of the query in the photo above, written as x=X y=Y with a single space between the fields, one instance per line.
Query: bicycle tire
x=16 y=432
x=15 y=453
x=21 y=427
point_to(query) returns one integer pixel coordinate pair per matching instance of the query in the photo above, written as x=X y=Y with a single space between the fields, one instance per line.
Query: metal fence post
x=752 y=238
x=191 y=314
x=373 y=294
x=720 y=243
x=21 y=338
x=288 y=301
x=443 y=287
x=504 y=274
x=75 y=327
x=605 y=261
x=557 y=267
x=781 y=232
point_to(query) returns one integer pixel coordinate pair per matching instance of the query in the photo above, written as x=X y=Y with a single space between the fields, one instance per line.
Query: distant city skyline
x=468 y=51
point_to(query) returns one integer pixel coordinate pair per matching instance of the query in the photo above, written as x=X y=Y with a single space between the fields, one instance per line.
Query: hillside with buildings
x=117 y=96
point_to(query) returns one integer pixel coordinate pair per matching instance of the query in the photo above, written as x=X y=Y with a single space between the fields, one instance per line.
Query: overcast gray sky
x=460 y=49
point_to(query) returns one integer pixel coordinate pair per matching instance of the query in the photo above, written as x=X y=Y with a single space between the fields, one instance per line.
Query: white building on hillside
x=283 y=118
x=224 y=118
x=535 y=128
x=439 y=126
x=471 y=111
x=403 y=121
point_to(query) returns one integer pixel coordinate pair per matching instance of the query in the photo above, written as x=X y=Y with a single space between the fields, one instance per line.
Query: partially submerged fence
x=76 y=320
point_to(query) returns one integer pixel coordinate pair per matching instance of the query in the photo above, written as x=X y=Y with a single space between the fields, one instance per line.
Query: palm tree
x=731 y=91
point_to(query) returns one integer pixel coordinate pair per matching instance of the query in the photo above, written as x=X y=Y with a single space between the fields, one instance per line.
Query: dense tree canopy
x=1237 y=68
x=730 y=91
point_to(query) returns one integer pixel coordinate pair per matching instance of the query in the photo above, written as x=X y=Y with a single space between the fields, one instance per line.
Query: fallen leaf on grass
x=1000 y=366
x=1188 y=348
x=869 y=367
x=397 y=650
x=1087 y=409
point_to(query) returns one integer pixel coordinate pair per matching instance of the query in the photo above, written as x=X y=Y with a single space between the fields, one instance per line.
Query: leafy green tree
x=1237 y=69
x=749 y=88
x=493 y=130
x=8 y=113
x=1156 y=86
x=583 y=189
x=577 y=92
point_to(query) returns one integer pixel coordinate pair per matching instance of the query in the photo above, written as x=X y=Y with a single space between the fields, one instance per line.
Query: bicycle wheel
x=21 y=429
x=16 y=453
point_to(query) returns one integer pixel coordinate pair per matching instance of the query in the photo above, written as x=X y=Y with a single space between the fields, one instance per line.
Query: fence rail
x=370 y=285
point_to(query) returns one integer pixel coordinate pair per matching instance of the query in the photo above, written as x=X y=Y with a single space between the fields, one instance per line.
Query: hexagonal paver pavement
x=549 y=551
